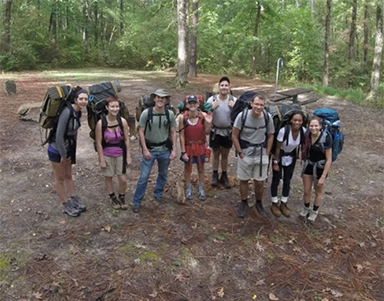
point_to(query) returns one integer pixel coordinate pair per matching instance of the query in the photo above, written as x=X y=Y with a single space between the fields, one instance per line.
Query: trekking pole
x=279 y=64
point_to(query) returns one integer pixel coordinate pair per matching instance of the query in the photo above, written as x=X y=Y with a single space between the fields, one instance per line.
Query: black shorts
x=217 y=141
x=309 y=171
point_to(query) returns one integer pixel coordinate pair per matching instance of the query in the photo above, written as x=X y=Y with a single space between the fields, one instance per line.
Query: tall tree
x=352 y=32
x=182 y=56
x=375 y=77
x=255 y=52
x=326 y=44
x=366 y=33
x=6 y=36
x=193 y=43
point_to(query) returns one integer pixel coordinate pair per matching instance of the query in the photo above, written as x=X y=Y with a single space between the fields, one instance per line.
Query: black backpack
x=281 y=115
x=146 y=102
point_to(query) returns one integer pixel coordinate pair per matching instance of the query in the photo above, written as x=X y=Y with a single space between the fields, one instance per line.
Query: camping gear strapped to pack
x=331 y=124
x=98 y=95
x=282 y=115
x=55 y=99
x=146 y=102
x=203 y=105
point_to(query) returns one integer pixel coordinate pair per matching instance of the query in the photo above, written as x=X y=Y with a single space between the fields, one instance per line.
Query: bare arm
x=207 y=122
x=126 y=141
x=174 y=143
x=99 y=147
x=327 y=166
x=146 y=153
x=236 y=143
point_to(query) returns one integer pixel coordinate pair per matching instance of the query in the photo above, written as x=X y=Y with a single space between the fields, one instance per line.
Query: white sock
x=275 y=200
x=284 y=199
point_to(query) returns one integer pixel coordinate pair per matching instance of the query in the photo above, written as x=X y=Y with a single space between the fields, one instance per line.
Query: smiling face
x=192 y=106
x=224 y=87
x=315 y=126
x=160 y=101
x=82 y=100
x=297 y=121
x=113 y=107
x=258 y=106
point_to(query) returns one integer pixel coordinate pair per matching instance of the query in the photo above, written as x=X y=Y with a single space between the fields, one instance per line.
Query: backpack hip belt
x=195 y=142
x=150 y=145
x=319 y=164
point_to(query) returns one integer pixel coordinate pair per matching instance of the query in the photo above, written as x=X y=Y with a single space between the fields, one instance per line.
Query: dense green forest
x=335 y=43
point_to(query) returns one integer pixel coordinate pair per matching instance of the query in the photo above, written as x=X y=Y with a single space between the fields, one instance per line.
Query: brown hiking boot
x=275 y=210
x=284 y=209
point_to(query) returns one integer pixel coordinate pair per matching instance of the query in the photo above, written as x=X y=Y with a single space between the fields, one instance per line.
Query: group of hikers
x=251 y=134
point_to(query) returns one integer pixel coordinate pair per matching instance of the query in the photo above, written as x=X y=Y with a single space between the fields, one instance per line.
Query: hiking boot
x=275 y=210
x=123 y=205
x=224 y=180
x=115 y=204
x=136 y=208
x=202 y=195
x=188 y=193
x=160 y=199
x=260 y=209
x=215 y=179
x=284 y=209
x=242 y=210
x=75 y=200
x=313 y=215
x=305 y=211
x=69 y=209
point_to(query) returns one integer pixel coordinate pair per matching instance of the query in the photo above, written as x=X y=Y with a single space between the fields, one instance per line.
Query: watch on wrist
x=275 y=162
x=183 y=153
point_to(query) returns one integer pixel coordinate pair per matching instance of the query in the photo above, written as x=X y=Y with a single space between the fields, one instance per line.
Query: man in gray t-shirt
x=220 y=136
x=250 y=130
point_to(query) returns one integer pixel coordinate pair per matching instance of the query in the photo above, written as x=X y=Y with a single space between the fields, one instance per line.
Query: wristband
x=240 y=153
x=183 y=153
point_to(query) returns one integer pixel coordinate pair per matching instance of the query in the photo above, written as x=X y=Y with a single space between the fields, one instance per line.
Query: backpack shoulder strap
x=244 y=115
x=149 y=119
x=287 y=129
x=120 y=123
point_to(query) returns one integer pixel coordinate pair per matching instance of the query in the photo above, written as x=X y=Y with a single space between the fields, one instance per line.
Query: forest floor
x=197 y=251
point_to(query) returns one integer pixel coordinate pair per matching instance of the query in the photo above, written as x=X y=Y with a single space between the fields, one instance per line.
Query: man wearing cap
x=157 y=134
x=194 y=125
x=220 y=136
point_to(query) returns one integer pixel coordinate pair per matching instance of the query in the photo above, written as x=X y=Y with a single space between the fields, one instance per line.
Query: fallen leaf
x=220 y=293
x=179 y=277
x=259 y=247
x=359 y=267
x=254 y=297
x=62 y=222
x=216 y=241
x=38 y=295
x=260 y=282
x=153 y=295
x=107 y=228
x=327 y=242
x=336 y=293
x=272 y=297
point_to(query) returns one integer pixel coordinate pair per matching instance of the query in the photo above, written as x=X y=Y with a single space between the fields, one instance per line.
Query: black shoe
x=224 y=180
x=69 y=209
x=215 y=179
x=135 y=209
x=75 y=200
x=260 y=209
x=242 y=211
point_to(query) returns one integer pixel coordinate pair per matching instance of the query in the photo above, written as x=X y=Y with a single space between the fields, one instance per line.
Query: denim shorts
x=53 y=157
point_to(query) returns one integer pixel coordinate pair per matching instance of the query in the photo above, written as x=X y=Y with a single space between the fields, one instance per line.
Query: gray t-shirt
x=221 y=118
x=253 y=131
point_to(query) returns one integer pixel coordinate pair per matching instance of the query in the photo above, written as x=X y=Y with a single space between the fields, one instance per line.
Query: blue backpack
x=331 y=123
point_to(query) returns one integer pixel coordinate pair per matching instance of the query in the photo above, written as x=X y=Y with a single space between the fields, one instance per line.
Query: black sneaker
x=115 y=203
x=242 y=211
x=75 y=200
x=260 y=209
x=69 y=209
x=224 y=180
x=123 y=205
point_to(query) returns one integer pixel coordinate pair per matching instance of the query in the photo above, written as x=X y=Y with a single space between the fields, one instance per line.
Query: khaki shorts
x=249 y=168
x=114 y=166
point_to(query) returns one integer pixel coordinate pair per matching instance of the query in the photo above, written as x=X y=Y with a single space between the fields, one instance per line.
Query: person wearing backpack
x=157 y=134
x=252 y=136
x=317 y=156
x=62 y=153
x=112 y=145
x=288 y=141
x=220 y=136
x=194 y=125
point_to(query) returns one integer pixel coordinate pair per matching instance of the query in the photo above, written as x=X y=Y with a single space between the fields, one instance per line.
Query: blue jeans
x=146 y=167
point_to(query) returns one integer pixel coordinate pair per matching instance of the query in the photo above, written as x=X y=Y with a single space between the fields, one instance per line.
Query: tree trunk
x=375 y=77
x=121 y=16
x=312 y=6
x=193 y=46
x=255 y=34
x=96 y=29
x=6 y=36
x=366 y=34
x=53 y=23
x=352 y=33
x=326 y=44
x=182 y=65
x=85 y=27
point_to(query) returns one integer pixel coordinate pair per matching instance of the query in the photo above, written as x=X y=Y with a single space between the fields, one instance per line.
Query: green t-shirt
x=158 y=130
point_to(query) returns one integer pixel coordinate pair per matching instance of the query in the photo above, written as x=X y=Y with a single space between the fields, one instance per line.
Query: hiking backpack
x=242 y=106
x=282 y=115
x=55 y=99
x=146 y=102
x=98 y=95
x=331 y=124
x=203 y=106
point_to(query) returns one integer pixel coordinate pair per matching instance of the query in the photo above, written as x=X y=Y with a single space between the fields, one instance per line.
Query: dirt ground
x=198 y=251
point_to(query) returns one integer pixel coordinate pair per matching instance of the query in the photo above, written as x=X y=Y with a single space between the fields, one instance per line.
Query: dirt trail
x=198 y=251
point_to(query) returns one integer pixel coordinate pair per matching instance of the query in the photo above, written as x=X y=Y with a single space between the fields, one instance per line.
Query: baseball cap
x=192 y=98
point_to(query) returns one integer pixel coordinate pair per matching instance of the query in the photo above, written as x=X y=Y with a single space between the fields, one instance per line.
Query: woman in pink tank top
x=112 y=145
